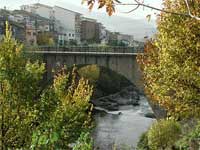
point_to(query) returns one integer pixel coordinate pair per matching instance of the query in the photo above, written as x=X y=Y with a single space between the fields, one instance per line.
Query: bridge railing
x=94 y=49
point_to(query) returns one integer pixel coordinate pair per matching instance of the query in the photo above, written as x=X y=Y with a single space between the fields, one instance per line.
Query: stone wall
x=125 y=65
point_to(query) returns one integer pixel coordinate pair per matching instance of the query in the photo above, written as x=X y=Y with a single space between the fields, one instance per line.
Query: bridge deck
x=84 y=53
x=89 y=50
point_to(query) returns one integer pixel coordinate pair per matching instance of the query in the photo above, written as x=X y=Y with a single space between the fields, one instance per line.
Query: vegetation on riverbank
x=35 y=118
x=171 y=69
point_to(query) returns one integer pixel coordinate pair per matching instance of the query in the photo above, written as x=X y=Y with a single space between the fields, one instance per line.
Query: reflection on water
x=121 y=129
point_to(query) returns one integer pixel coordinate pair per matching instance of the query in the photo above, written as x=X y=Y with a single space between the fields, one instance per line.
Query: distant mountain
x=139 y=28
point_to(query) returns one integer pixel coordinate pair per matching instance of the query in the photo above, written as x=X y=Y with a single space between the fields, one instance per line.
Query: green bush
x=84 y=142
x=143 y=142
x=91 y=72
x=163 y=134
x=19 y=82
x=190 y=140
x=35 y=118
x=65 y=111
x=171 y=61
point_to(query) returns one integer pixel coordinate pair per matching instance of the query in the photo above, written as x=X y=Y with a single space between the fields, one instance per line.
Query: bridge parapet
x=93 y=49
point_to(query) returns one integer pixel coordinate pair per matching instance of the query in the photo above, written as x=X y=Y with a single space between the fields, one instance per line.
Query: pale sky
x=76 y=5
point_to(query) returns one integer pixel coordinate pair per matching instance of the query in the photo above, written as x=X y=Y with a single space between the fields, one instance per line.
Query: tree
x=45 y=38
x=110 y=7
x=72 y=42
x=65 y=111
x=171 y=62
x=32 y=117
x=19 y=85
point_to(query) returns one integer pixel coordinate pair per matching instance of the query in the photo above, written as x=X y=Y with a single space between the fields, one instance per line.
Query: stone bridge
x=119 y=59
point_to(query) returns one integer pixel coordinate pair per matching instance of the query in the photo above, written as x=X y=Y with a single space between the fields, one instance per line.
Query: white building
x=67 y=22
x=104 y=35
x=40 y=9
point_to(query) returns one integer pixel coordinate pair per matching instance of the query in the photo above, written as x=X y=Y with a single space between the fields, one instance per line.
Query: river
x=121 y=129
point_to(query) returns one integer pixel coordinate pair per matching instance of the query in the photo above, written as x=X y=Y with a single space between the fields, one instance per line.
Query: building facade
x=126 y=39
x=18 y=30
x=104 y=35
x=113 y=38
x=33 y=23
x=40 y=9
x=68 y=23
x=88 y=29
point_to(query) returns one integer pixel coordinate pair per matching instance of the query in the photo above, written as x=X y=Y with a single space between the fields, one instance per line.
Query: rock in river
x=127 y=96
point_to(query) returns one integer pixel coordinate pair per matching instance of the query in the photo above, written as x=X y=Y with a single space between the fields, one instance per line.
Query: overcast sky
x=76 y=4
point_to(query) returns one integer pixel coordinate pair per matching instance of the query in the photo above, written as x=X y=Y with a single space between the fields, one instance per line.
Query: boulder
x=150 y=115
x=127 y=96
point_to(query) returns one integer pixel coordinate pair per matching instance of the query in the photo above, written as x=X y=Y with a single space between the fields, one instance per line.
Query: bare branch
x=189 y=12
x=133 y=9
x=138 y=4
x=110 y=7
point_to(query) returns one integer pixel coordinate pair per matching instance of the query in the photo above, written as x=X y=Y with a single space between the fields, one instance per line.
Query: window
x=72 y=35
x=69 y=34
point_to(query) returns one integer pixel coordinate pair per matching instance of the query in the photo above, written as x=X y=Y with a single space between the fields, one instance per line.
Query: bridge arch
x=124 y=64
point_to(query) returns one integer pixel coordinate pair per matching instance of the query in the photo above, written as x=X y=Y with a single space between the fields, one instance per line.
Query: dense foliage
x=190 y=139
x=171 y=135
x=36 y=118
x=163 y=134
x=171 y=62
x=143 y=142
x=45 y=38
x=19 y=82
x=84 y=142
x=171 y=66
x=67 y=103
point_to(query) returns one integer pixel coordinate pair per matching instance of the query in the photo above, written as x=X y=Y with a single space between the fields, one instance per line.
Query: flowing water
x=122 y=128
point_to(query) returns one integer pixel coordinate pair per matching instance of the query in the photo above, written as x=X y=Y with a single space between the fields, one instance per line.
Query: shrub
x=171 y=61
x=190 y=140
x=36 y=118
x=163 y=134
x=90 y=72
x=19 y=82
x=143 y=142
x=84 y=142
x=65 y=112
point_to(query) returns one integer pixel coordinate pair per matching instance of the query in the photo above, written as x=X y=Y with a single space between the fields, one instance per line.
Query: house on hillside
x=113 y=38
x=67 y=23
x=104 y=35
x=34 y=24
x=40 y=9
x=125 y=39
x=90 y=30
x=18 y=30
